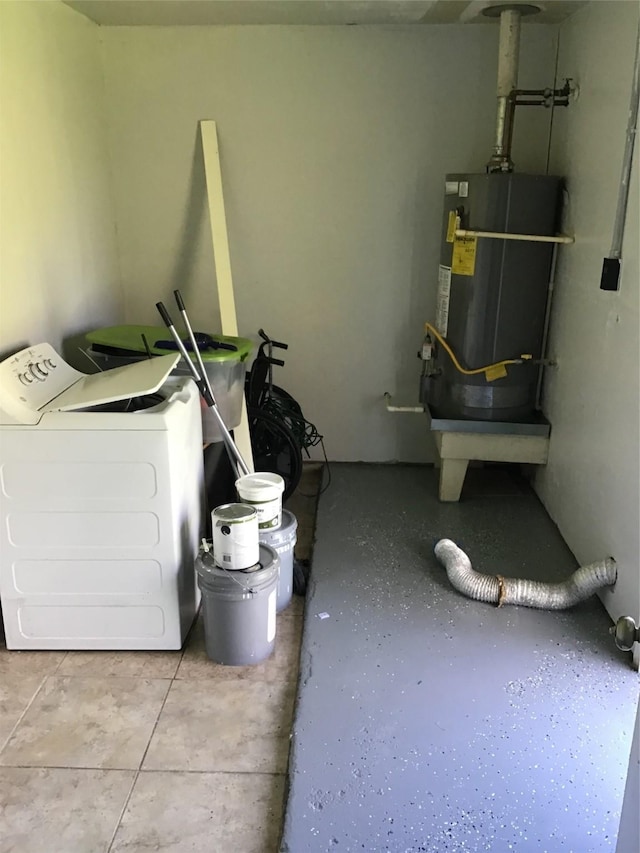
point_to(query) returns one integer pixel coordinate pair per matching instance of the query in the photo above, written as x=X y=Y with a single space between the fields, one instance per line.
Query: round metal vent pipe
x=508 y=56
x=508 y=59
x=500 y=590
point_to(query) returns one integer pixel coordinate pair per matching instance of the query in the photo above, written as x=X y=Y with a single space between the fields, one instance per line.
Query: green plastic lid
x=129 y=340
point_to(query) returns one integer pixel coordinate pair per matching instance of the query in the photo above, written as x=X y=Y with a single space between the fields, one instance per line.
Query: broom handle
x=205 y=376
x=192 y=338
x=205 y=389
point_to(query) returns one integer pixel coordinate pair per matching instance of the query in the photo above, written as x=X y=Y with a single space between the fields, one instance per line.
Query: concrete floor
x=106 y=752
x=427 y=722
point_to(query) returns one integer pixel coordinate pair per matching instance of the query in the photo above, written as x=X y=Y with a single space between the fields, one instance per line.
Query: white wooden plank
x=222 y=258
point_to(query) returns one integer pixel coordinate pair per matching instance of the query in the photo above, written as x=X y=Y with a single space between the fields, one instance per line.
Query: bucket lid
x=235 y=512
x=209 y=573
x=255 y=483
x=128 y=339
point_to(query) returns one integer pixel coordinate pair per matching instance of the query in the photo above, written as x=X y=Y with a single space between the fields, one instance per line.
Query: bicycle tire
x=286 y=408
x=275 y=448
x=277 y=391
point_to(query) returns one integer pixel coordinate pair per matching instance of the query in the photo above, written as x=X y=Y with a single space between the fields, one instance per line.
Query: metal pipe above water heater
x=508 y=60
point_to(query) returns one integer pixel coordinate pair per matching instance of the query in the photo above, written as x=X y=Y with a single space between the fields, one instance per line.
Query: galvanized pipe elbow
x=499 y=590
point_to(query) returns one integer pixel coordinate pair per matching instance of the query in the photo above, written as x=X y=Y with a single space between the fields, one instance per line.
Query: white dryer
x=101 y=509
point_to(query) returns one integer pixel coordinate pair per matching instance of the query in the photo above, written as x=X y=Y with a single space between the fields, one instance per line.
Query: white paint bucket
x=234 y=530
x=283 y=541
x=263 y=491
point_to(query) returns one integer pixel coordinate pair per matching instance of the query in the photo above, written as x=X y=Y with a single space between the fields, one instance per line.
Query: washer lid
x=130 y=380
x=37 y=380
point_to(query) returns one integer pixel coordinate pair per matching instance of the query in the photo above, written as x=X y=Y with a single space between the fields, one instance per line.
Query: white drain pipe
x=394 y=408
x=499 y=590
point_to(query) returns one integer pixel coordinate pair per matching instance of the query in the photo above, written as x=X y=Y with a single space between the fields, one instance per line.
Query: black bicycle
x=275 y=444
x=274 y=448
x=264 y=394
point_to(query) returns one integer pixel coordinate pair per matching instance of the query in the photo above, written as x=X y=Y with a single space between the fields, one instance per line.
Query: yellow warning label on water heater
x=463 y=261
x=451 y=226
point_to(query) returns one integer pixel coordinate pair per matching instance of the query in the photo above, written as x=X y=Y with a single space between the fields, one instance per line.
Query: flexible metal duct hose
x=499 y=590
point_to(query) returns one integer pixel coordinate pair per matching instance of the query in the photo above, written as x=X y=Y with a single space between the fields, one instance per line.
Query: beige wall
x=590 y=486
x=58 y=268
x=334 y=144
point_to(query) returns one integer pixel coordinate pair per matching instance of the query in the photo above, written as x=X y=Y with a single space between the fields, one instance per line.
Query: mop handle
x=196 y=349
x=192 y=338
x=183 y=352
x=205 y=390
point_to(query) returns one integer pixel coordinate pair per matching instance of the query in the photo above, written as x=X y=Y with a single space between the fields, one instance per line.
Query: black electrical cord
x=326 y=467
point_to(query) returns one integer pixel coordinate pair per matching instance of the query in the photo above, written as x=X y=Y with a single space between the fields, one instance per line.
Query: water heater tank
x=492 y=294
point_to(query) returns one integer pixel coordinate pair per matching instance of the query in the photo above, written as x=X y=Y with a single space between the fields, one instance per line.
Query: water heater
x=492 y=296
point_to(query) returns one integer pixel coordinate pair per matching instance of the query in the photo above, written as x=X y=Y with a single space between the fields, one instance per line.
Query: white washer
x=101 y=510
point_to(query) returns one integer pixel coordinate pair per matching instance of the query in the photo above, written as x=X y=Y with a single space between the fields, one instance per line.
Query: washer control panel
x=37 y=371
x=29 y=380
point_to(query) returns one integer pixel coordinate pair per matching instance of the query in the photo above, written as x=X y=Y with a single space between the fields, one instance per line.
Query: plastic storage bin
x=118 y=345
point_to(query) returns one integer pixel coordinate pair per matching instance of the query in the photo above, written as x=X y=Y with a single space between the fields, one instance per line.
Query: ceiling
x=304 y=12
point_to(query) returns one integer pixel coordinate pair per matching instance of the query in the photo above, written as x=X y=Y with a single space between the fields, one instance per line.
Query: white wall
x=590 y=486
x=334 y=146
x=58 y=267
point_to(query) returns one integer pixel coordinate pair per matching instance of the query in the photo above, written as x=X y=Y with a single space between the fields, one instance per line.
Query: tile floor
x=105 y=752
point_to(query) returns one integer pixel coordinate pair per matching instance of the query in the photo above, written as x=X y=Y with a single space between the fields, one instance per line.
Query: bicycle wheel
x=286 y=408
x=275 y=448
x=277 y=391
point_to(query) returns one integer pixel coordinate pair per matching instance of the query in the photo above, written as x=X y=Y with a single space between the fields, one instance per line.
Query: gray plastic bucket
x=283 y=540
x=239 y=608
